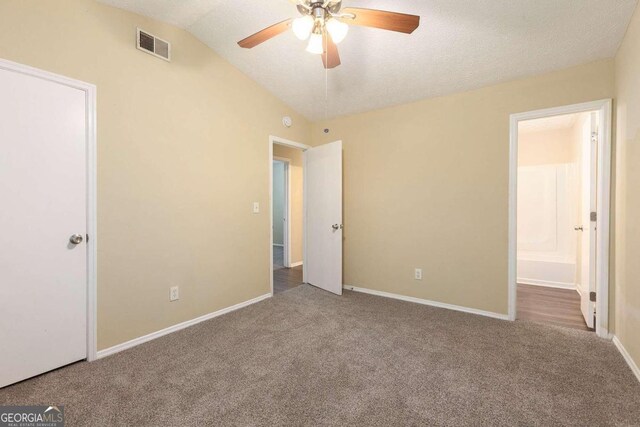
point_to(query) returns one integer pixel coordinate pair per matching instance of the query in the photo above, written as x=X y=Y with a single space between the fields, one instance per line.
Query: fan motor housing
x=311 y=7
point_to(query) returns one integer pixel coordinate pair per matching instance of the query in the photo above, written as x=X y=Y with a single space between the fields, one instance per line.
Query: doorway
x=559 y=216
x=311 y=215
x=287 y=215
x=280 y=207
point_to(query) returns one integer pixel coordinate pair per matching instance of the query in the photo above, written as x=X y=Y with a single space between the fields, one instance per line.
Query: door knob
x=336 y=227
x=76 y=239
x=580 y=228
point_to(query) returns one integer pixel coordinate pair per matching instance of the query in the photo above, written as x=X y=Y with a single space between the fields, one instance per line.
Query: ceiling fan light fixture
x=315 y=44
x=338 y=30
x=302 y=27
x=324 y=23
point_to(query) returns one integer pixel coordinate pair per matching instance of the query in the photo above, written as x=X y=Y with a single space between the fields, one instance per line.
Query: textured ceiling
x=460 y=45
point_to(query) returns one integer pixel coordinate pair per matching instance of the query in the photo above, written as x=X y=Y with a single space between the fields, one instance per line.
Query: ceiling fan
x=326 y=24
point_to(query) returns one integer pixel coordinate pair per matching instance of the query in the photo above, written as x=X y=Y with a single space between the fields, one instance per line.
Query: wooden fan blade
x=330 y=57
x=392 y=21
x=266 y=34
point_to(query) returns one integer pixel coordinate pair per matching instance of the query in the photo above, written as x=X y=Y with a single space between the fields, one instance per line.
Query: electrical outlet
x=174 y=294
x=418 y=274
x=256 y=207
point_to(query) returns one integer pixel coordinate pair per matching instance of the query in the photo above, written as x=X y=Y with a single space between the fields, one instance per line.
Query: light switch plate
x=256 y=207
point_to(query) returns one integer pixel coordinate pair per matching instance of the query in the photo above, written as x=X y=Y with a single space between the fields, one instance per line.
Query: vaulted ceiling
x=460 y=45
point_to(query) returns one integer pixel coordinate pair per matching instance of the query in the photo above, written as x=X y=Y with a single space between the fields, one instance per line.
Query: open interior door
x=323 y=210
x=588 y=216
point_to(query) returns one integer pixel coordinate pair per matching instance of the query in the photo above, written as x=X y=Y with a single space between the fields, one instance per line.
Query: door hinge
x=592 y=296
x=594 y=216
x=594 y=136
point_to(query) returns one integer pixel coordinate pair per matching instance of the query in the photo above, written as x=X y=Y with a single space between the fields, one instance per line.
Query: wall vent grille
x=153 y=45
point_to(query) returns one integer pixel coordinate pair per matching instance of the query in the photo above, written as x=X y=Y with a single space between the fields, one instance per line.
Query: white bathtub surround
x=547 y=196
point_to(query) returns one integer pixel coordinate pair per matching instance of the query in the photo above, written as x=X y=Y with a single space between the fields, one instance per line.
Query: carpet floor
x=307 y=357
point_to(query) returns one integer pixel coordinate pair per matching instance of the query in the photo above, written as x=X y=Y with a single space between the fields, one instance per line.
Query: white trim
x=92 y=225
x=547 y=283
x=292 y=144
x=627 y=357
x=296 y=264
x=287 y=213
x=603 y=223
x=92 y=191
x=279 y=245
x=140 y=340
x=604 y=199
x=304 y=216
x=427 y=302
x=286 y=231
x=287 y=142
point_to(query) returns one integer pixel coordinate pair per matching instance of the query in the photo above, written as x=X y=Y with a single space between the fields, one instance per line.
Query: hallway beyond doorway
x=558 y=307
x=286 y=278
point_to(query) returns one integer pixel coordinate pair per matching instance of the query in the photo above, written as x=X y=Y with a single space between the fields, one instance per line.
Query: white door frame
x=303 y=147
x=603 y=203
x=286 y=229
x=92 y=241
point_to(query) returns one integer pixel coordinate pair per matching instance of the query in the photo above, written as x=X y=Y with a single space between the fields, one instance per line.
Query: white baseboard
x=427 y=302
x=137 y=341
x=627 y=357
x=296 y=264
x=548 y=284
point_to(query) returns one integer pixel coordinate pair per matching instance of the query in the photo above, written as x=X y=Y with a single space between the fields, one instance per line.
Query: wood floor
x=560 y=307
x=284 y=278
x=278 y=257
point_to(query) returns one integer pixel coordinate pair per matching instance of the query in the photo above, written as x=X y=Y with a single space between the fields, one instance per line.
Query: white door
x=43 y=275
x=589 y=204
x=323 y=200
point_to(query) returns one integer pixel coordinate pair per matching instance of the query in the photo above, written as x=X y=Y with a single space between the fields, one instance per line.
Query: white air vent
x=154 y=45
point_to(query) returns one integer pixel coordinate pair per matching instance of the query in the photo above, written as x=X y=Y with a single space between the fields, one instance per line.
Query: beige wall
x=546 y=147
x=577 y=135
x=182 y=154
x=296 y=182
x=426 y=185
x=627 y=195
